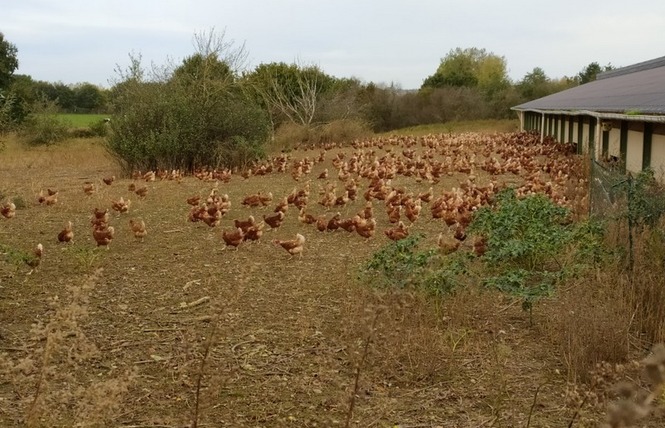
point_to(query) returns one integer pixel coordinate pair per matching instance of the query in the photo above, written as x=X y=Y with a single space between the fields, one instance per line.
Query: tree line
x=469 y=83
x=211 y=109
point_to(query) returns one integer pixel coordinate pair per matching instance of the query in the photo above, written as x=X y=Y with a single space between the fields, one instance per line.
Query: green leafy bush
x=532 y=245
x=196 y=115
x=99 y=128
x=448 y=273
x=646 y=199
x=43 y=126
x=398 y=264
x=81 y=133
x=13 y=111
x=44 y=129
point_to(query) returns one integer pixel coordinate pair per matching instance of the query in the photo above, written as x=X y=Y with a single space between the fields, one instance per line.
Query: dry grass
x=645 y=284
x=100 y=337
x=590 y=325
x=456 y=127
x=290 y=135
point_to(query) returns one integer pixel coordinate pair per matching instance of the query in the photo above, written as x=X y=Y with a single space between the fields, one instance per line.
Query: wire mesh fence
x=632 y=202
x=607 y=195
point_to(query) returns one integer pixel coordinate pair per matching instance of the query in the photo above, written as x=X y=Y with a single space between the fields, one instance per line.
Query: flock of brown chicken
x=365 y=177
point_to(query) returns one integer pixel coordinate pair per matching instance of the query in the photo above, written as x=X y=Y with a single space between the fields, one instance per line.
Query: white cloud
x=389 y=41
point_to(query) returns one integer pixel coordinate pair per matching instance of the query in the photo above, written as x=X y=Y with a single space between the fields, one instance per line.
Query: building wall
x=658 y=156
x=634 y=153
x=658 y=152
x=585 y=138
x=615 y=141
x=638 y=153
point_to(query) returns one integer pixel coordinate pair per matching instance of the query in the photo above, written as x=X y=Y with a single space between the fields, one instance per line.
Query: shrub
x=100 y=128
x=185 y=118
x=165 y=125
x=45 y=129
x=81 y=133
x=43 y=126
x=452 y=272
x=528 y=241
x=398 y=264
x=13 y=111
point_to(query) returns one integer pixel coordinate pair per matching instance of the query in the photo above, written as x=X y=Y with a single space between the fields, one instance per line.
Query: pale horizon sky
x=383 y=42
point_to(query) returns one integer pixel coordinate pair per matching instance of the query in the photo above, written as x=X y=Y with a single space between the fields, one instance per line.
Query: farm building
x=619 y=116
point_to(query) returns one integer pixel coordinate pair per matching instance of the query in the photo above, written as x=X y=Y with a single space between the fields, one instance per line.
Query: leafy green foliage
x=16 y=257
x=13 y=111
x=8 y=62
x=398 y=264
x=530 y=242
x=525 y=233
x=197 y=115
x=44 y=126
x=589 y=73
x=100 y=128
x=471 y=67
x=536 y=84
x=449 y=273
x=402 y=264
x=646 y=199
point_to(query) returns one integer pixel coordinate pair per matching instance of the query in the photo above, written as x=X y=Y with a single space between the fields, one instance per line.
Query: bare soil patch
x=116 y=336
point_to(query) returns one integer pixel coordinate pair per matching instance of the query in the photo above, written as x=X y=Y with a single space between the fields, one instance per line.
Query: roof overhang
x=597 y=114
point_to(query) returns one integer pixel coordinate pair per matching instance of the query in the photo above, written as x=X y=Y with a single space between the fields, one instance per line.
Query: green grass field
x=82 y=120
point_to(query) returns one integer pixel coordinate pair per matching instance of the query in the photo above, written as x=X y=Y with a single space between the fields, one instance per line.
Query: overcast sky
x=379 y=41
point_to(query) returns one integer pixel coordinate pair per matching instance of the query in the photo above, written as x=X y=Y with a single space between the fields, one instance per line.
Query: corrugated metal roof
x=639 y=88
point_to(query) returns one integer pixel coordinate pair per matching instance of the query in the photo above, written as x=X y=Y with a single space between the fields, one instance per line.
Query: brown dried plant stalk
x=635 y=404
x=204 y=358
x=361 y=363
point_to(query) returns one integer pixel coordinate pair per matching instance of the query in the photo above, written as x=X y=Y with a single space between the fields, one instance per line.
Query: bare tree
x=293 y=91
x=214 y=44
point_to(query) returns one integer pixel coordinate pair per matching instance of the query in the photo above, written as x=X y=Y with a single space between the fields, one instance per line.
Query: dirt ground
x=159 y=332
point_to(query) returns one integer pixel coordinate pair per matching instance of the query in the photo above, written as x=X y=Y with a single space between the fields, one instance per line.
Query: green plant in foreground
x=530 y=242
x=398 y=263
x=85 y=257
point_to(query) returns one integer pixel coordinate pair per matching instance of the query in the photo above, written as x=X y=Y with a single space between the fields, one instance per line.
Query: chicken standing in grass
x=233 y=238
x=138 y=227
x=306 y=218
x=33 y=260
x=8 y=209
x=365 y=227
x=447 y=244
x=282 y=206
x=141 y=191
x=194 y=200
x=67 y=234
x=274 y=220
x=244 y=225
x=121 y=205
x=293 y=246
x=103 y=236
x=398 y=232
x=321 y=223
x=255 y=232
x=88 y=188
x=100 y=219
x=50 y=198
